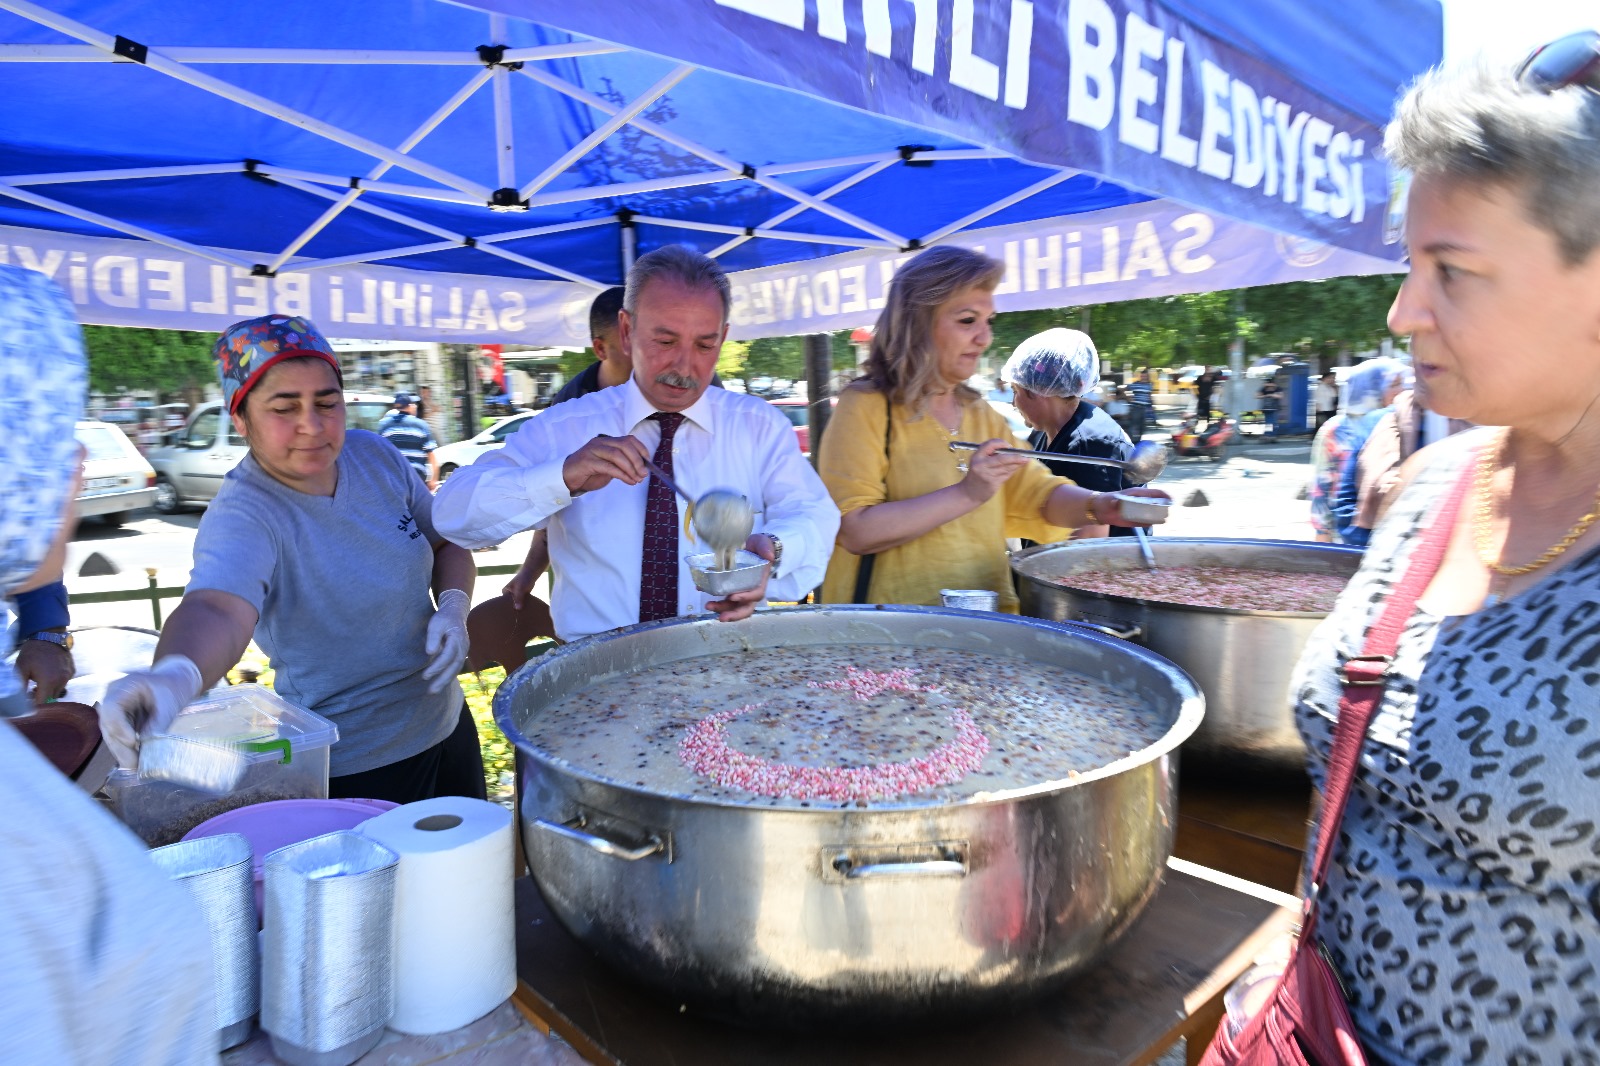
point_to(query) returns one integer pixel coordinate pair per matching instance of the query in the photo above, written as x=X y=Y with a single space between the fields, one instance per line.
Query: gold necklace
x=1483 y=514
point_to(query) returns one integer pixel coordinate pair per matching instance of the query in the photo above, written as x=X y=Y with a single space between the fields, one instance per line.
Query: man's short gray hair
x=683 y=265
x=1476 y=124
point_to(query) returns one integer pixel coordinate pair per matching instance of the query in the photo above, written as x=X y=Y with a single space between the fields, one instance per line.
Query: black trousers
x=452 y=767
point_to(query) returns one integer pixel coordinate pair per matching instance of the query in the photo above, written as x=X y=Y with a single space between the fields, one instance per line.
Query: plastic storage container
x=248 y=716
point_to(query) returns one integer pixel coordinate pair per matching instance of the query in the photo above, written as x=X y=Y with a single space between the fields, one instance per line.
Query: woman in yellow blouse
x=930 y=517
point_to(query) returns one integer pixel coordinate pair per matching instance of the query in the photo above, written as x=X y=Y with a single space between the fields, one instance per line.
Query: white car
x=466 y=452
x=191 y=465
x=116 y=478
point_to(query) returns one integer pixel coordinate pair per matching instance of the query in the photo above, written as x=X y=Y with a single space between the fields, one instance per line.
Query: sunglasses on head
x=1570 y=60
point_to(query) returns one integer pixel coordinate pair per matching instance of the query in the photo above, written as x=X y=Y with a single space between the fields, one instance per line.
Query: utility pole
x=819 y=387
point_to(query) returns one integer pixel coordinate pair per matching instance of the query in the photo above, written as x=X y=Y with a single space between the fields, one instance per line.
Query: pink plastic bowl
x=279 y=823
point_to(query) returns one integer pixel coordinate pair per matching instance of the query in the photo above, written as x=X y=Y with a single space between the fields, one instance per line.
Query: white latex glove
x=447 y=639
x=146 y=701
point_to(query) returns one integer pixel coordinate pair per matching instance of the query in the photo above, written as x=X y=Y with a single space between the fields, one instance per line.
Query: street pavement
x=1252 y=493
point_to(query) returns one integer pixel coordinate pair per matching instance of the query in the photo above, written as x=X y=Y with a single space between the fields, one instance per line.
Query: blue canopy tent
x=422 y=169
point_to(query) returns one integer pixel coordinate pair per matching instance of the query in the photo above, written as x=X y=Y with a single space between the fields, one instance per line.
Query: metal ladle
x=722 y=518
x=1140 y=468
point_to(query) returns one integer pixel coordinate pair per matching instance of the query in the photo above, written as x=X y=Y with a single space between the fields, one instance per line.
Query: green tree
x=780 y=358
x=160 y=360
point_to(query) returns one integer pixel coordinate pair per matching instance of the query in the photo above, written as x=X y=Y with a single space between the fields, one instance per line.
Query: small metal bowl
x=749 y=570
x=1142 y=509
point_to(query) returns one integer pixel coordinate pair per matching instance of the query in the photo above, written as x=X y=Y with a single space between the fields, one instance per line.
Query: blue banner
x=1156 y=248
x=1122 y=89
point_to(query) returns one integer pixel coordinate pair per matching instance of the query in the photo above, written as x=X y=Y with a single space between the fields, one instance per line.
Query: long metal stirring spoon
x=723 y=519
x=1141 y=468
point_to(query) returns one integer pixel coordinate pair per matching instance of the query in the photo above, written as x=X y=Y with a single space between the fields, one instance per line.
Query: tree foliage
x=1314 y=318
x=160 y=360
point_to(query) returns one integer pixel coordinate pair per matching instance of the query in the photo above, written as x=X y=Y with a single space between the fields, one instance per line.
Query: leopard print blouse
x=1462 y=909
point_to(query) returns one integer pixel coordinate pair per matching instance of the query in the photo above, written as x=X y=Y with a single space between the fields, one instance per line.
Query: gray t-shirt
x=341 y=583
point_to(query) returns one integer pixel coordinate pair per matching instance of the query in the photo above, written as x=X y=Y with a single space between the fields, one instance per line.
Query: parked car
x=116 y=478
x=465 y=452
x=798 y=411
x=190 y=468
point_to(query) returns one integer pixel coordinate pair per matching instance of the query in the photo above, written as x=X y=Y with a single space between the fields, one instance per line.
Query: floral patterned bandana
x=246 y=350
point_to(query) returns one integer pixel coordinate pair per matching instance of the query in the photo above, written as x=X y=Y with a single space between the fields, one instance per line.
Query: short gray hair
x=683 y=265
x=1478 y=125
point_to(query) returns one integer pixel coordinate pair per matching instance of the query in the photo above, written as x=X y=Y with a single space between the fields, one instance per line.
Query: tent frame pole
x=566 y=88
x=158 y=62
x=606 y=129
x=459 y=97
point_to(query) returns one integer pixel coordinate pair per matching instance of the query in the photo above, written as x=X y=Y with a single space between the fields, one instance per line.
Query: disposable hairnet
x=1057 y=362
x=1364 y=388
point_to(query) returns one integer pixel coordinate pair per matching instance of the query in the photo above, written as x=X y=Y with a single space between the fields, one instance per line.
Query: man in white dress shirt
x=579 y=470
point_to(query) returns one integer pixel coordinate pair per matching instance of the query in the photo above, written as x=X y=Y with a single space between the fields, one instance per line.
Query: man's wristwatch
x=777 y=553
x=59 y=637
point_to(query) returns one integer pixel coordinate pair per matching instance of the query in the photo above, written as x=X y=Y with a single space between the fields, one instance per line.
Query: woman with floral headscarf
x=106 y=960
x=320 y=543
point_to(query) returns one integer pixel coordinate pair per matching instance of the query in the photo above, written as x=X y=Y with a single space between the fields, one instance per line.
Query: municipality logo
x=1301 y=252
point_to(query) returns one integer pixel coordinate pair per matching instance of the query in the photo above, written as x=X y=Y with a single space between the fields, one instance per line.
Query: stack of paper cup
x=455 y=934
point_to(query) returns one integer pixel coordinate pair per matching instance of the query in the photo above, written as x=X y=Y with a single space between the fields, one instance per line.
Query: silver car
x=190 y=469
x=116 y=478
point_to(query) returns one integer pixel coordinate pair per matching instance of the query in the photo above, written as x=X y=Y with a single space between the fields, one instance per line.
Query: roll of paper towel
x=455 y=935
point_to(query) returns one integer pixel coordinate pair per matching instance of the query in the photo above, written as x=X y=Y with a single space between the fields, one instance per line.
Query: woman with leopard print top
x=1462 y=910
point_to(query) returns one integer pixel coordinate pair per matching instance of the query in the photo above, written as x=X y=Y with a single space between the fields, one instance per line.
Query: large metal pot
x=1241 y=659
x=796 y=916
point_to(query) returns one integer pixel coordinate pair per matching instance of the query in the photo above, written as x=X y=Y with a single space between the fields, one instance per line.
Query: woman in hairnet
x=106 y=959
x=1050 y=373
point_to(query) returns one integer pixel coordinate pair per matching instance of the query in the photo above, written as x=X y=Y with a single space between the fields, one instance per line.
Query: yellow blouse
x=966 y=553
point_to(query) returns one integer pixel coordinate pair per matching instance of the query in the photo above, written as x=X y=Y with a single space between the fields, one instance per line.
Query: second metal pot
x=1241 y=659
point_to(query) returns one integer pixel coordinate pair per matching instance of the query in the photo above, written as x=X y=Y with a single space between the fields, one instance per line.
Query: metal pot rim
x=1104 y=544
x=1190 y=712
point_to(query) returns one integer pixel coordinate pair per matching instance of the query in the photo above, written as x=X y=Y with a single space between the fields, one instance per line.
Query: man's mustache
x=677 y=380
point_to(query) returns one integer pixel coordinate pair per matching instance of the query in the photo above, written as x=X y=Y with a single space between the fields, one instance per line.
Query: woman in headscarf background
x=1369 y=390
x=105 y=958
x=1050 y=374
x=320 y=543
x=932 y=518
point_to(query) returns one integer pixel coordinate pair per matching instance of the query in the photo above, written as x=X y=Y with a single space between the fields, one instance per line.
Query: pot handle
x=1126 y=632
x=653 y=845
x=847 y=868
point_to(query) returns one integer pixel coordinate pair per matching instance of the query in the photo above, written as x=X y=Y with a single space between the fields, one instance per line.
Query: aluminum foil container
x=216 y=872
x=970 y=599
x=203 y=765
x=1142 y=508
x=749 y=569
x=327 y=982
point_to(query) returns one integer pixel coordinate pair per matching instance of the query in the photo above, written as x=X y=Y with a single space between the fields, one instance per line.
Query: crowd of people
x=1462 y=911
